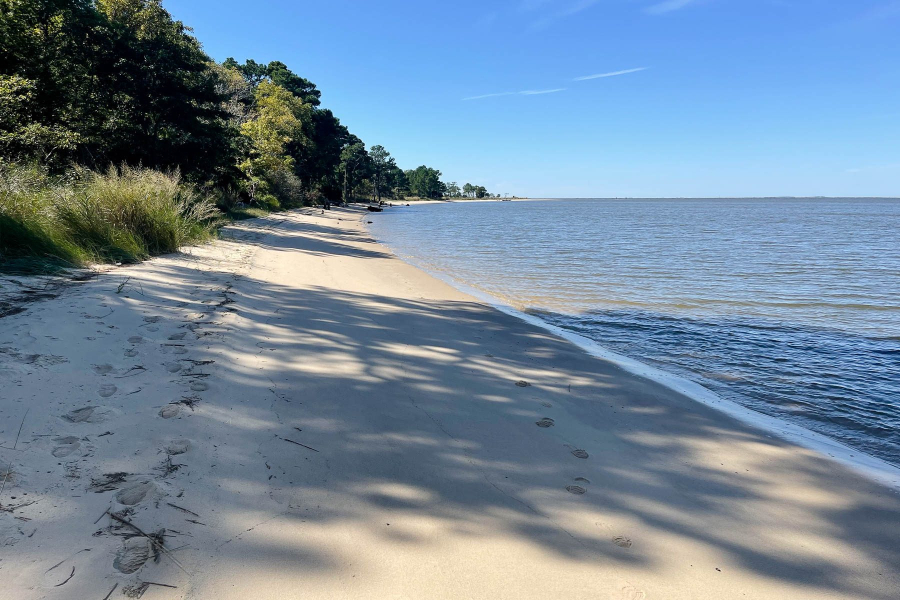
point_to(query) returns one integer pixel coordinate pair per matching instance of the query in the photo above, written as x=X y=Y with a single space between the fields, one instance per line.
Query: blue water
x=788 y=307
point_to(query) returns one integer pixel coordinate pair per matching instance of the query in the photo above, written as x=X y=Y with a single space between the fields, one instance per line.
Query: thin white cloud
x=522 y=93
x=571 y=9
x=491 y=95
x=538 y=92
x=667 y=6
x=612 y=74
x=578 y=7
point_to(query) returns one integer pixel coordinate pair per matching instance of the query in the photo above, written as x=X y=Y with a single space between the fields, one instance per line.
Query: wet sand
x=299 y=414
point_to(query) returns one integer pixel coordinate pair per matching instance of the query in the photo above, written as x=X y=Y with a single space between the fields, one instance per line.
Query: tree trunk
x=346 y=185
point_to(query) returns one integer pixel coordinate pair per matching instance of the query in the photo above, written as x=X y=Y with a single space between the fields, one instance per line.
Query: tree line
x=120 y=82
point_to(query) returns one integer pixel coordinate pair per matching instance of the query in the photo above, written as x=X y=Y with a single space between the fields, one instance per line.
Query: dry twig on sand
x=299 y=444
x=71 y=575
x=190 y=512
x=16 y=443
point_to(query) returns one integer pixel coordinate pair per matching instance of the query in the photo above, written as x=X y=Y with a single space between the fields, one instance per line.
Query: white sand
x=423 y=473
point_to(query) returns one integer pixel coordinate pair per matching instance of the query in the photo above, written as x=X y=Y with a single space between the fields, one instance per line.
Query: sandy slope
x=422 y=472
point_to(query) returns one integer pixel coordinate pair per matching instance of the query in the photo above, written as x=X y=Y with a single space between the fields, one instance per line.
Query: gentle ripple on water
x=789 y=307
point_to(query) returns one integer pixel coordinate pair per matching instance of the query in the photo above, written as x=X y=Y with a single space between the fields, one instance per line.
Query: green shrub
x=125 y=214
x=31 y=235
x=130 y=213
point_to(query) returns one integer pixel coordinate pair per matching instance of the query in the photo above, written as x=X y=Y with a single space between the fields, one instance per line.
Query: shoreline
x=876 y=469
x=297 y=408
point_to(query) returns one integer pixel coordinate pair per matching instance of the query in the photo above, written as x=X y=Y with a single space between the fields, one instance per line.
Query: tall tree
x=354 y=165
x=425 y=182
x=302 y=88
x=382 y=165
x=278 y=122
x=47 y=50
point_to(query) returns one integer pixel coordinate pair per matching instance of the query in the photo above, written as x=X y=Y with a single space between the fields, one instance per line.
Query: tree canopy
x=101 y=82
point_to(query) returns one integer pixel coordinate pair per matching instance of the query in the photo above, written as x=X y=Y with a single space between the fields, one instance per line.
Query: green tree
x=298 y=86
x=382 y=166
x=278 y=121
x=354 y=166
x=47 y=48
x=22 y=136
x=320 y=167
x=397 y=181
x=158 y=93
x=425 y=182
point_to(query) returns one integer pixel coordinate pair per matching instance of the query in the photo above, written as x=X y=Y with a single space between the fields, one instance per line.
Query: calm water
x=789 y=307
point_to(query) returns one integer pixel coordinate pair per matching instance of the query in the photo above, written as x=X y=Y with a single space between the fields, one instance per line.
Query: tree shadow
x=399 y=422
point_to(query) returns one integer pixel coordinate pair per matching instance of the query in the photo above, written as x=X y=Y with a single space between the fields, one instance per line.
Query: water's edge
x=871 y=467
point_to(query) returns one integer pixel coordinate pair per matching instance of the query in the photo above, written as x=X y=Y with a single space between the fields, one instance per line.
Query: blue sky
x=733 y=97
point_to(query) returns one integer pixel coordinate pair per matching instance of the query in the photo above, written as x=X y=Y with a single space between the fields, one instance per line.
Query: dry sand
x=302 y=415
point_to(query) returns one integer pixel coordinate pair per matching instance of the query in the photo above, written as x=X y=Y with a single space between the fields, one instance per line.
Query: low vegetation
x=123 y=215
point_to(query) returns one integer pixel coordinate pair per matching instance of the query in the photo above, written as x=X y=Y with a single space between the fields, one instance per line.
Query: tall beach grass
x=125 y=214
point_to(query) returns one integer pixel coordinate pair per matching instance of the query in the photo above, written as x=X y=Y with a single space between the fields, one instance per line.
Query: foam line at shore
x=874 y=468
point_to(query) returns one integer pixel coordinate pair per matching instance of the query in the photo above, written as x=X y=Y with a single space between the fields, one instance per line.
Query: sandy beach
x=293 y=412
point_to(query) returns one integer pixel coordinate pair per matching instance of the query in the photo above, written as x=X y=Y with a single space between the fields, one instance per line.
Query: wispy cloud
x=538 y=92
x=572 y=9
x=578 y=7
x=667 y=6
x=612 y=74
x=522 y=93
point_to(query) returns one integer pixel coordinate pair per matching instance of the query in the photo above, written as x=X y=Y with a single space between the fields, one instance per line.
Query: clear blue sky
x=736 y=97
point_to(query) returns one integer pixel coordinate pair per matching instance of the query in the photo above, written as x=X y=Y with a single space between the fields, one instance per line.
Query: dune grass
x=124 y=215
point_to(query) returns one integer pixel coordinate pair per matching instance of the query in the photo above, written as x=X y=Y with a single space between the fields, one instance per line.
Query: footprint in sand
x=546 y=404
x=152 y=319
x=67 y=445
x=106 y=390
x=135 y=339
x=134 y=553
x=545 y=422
x=199 y=386
x=177 y=336
x=173 y=367
x=179 y=350
x=629 y=592
x=177 y=447
x=136 y=493
x=131 y=353
x=88 y=414
x=580 y=453
x=621 y=541
x=522 y=383
x=152 y=328
x=103 y=369
x=169 y=411
x=575 y=489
